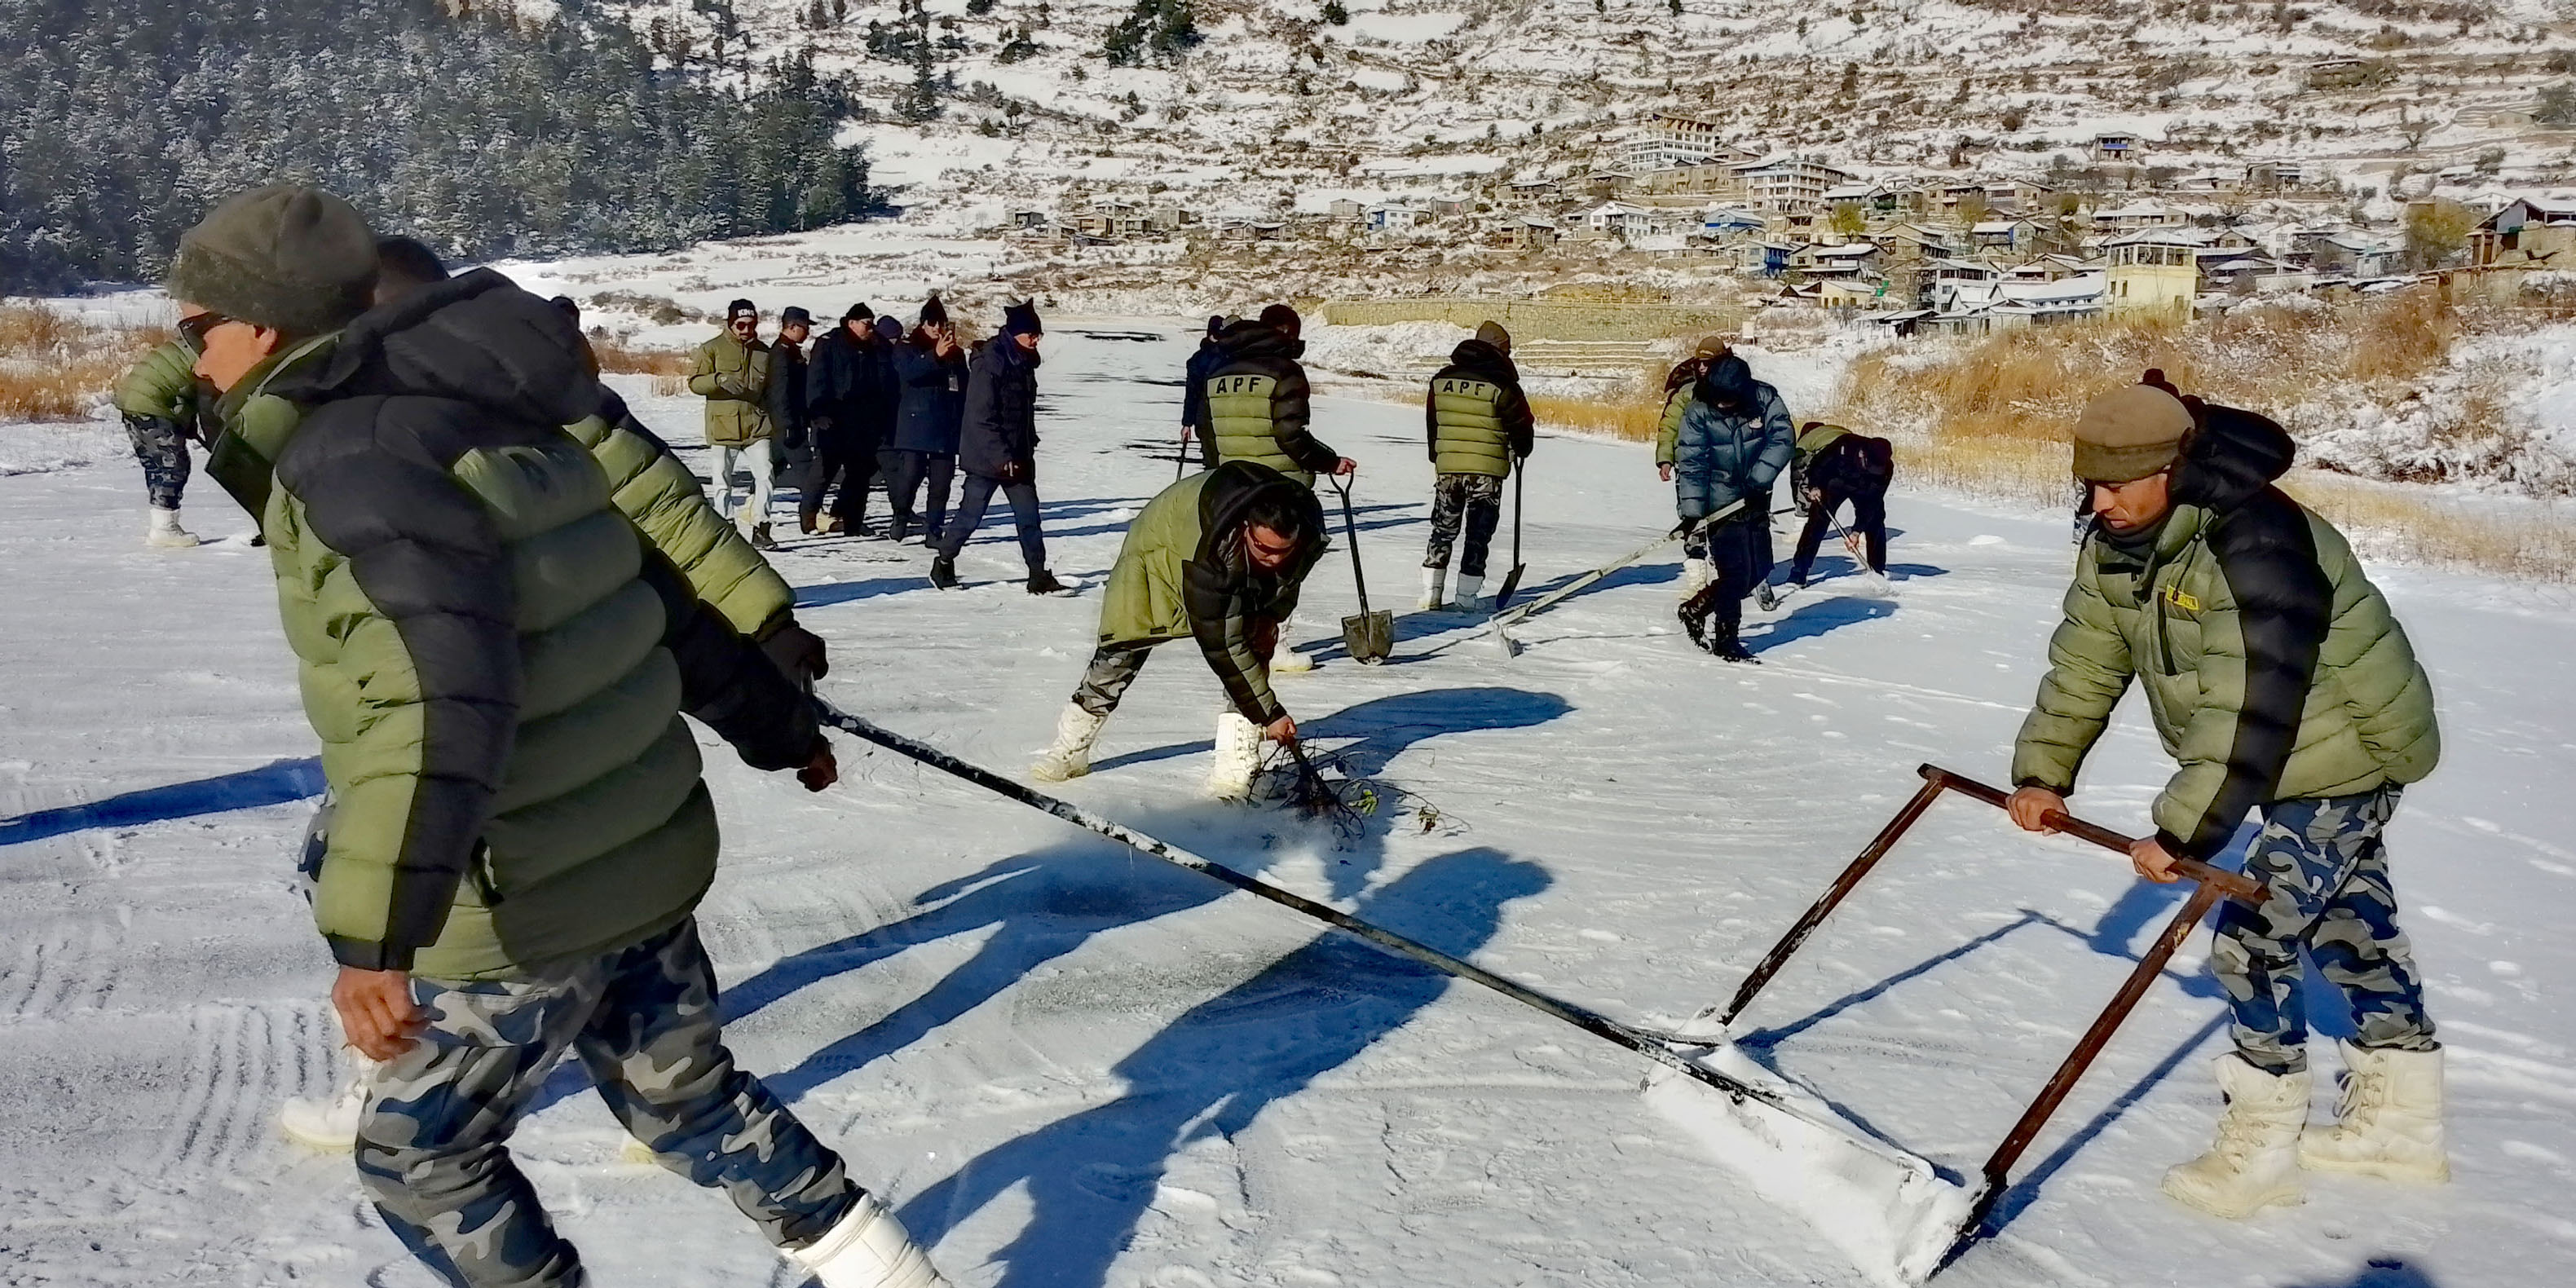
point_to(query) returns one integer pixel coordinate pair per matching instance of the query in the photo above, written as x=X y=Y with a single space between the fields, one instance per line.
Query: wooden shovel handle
x=2235 y=885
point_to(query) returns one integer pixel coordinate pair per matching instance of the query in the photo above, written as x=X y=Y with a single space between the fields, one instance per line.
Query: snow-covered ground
x=1069 y=1065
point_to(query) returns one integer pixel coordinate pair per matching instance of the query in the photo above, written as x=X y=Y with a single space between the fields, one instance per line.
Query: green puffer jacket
x=162 y=385
x=664 y=499
x=734 y=379
x=1182 y=573
x=1258 y=404
x=1475 y=417
x=495 y=665
x=2273 y=668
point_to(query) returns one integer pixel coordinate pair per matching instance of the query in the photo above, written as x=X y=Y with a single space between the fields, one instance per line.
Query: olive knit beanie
x=285 y=257
x=1711 y=347
x=2129 y=433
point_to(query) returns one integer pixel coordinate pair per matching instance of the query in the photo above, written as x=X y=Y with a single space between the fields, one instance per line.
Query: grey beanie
x=285 y=257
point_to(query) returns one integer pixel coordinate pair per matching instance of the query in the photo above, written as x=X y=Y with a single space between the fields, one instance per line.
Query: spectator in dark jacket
x=788 y=395
x=844 y=390
x=1202 y=364
x=999 y=447
x=930 y=379
x=1835 y=465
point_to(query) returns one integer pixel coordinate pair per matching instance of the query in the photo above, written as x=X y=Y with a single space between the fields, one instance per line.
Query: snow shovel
x=1939 y=1232
x=1369 y=636
x=1793 y=1146
x=1500 y=621
x=1512 y=580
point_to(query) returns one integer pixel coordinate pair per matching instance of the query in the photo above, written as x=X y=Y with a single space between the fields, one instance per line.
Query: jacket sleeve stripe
x=2284 y=605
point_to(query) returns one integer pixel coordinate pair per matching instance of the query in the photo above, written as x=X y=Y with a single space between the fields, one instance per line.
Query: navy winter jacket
x=1001 y=409
x=933 y=404
x=1719 y=456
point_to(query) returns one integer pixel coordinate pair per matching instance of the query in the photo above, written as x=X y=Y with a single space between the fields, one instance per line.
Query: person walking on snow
x=1257 y=407
x=521 y=831
x=731 y=371
x=847 y=390
x=157 y=396
x=1834 y=465
x=1477 y=424
x=1194 y=376
x=999 y=448
x=1219 y=558
x=930 y=372
x=2282 y=684
x=789 y=395
x=1729 y=442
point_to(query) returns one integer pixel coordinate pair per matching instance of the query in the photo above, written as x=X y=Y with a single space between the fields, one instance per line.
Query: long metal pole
x=1580 y=1017
x=1832 y=898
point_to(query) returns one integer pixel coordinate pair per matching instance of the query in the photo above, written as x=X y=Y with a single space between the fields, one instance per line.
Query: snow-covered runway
x=1072 y=1066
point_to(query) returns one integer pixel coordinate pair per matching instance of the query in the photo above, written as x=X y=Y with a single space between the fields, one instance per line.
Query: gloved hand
x=1016 y=471
x=798 y=652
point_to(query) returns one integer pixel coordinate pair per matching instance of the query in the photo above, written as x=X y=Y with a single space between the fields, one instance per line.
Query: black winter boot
x=1695 y=612
x=1043 y=582
x=1727 y=647
x=943 y=573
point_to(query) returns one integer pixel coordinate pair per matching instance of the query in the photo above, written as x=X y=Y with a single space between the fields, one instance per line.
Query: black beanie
x=740 y=307
x=933 y=312
x=1021 y=319
x=1280 y=317
x=859 y=312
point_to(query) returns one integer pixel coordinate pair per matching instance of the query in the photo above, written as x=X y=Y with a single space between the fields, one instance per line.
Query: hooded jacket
x=493 y=660
x=1475 y=417
x=734 y=379
x=2274 y=670
x=1001 y=426
x=1720 y=455
x=1194 y=373
x=1257 y=404
x=1182 y=573
x=932 y=397
x=850 y=384
x=1838 y=462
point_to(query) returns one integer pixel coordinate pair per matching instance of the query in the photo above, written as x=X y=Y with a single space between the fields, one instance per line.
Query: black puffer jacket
x=1001 y=410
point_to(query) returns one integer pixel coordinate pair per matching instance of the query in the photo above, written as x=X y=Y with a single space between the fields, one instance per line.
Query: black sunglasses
x=196 y=325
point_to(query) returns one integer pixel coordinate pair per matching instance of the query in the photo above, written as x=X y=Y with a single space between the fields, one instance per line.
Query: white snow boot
x=869 y=1248
x=329 y=1123
x=1434 y=589
x=2255 y=1162
x=2388 y=1119
x=1696 y=575
x=165 y=531
x=1467 y=600
x=1238 y=757
x=1070 y=757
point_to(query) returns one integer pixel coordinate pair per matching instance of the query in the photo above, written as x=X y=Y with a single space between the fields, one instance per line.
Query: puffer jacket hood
x=477 y=339
x=1485 y=360
x=1254 y=340
x=2232 y=456
x=1728 y=381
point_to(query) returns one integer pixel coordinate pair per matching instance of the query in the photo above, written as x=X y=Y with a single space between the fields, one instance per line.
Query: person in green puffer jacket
x=157 y=396
x=1258 y=402
x=1219 y=558
x=1476 y=422
x=732 y=371
x=2277 y=676
x=497 y=665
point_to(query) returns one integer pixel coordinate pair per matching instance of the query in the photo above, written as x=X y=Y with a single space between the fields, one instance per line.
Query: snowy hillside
x=1071 y=1067
x=1276 y=105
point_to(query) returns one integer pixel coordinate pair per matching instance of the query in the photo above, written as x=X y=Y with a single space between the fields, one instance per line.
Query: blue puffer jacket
x=933 y=408
x=1720 y=455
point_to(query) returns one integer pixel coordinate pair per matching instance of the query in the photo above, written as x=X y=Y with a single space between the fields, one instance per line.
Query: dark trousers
x=1472 y=500
x=905 y=472
x=1738 y=551
x=1869 y=518
x=851 y=463
x=971 y=502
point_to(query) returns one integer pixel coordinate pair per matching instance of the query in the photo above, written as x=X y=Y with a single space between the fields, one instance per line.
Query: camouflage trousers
x=162 y=449
x=2324 y=871
x=432 y=1148
x=1474 y=501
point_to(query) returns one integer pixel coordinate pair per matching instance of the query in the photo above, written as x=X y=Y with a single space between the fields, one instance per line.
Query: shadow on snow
x=274 y=783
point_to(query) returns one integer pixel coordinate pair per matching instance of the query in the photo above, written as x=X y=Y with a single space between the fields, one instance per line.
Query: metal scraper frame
x=2212 y=885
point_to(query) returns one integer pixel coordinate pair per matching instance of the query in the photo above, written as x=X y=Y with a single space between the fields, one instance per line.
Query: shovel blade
x=1370 y=637
x=1511 y=584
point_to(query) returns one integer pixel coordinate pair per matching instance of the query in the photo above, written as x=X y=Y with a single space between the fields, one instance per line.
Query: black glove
x=798 y=652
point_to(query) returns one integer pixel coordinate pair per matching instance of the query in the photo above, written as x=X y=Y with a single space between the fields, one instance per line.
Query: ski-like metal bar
x=2235 y=885
x=1553 y=597
x=1999 y=1166
x=1832 y=898
x=1580 y=1017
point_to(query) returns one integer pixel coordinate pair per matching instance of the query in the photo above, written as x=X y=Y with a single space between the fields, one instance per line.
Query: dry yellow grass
x=1631 y=418
x=55 y=367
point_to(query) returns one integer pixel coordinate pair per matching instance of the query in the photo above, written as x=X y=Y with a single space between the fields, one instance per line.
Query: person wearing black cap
x=1194 y=393
x=999 y=447
x=930 y=370
x=787 y=392
x=843 y=391
x=731 y=372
